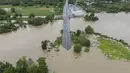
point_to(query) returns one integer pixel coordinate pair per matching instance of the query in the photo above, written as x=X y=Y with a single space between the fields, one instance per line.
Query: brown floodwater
x=27 y=42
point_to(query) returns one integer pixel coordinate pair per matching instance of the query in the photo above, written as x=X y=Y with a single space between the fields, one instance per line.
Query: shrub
x=89 y=30
x=20 y=15
x=78 y=33
x=50 y=17
x=36 y=21
x=31 y=15
x=30 y=21
x=58 y=41
x=86 y=49
x=1 y=17
x=45 y=21
x=3 y=12
x=44 y=45
x=84 y=41
x=91 y=17
x=30 y=4
x=61 y=31
x=15 y=3
x=19 y=21
x=15 y=15
x=7 y=28
x=13 y=10
x=77 y=48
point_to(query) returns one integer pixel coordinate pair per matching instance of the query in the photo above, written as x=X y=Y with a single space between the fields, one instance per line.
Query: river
x=27 y=42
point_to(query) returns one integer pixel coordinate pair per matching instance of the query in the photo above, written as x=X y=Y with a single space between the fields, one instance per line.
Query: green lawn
x=114 y=50
x=38 y=11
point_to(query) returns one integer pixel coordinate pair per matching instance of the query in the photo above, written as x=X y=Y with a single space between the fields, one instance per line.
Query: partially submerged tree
x=13 y=10
x=78 y=33
x=42 y=65
x=77 y=48
x=89 y=30
x=44 y=45
x=31 y=15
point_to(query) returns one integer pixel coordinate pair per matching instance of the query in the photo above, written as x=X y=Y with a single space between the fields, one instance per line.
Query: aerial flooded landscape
x=64 y=36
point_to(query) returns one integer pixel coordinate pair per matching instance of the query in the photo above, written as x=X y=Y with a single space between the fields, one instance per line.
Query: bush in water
x=77 y=48
x=89 y=30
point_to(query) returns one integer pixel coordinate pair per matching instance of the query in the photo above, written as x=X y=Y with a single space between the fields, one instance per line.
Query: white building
x=76 y=11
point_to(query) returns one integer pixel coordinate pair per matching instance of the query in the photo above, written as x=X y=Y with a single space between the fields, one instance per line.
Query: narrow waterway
x=27 y=42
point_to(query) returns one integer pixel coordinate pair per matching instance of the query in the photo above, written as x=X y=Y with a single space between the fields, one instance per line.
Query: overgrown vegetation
x=113 y=49
x=77 y=48
x=91 y=17
x=109 y=6
x=39 y=21
x=76 y=37
x=118 y=40
x=89 y=30
x=25 y=66
x=87 y=50
x=4 y=28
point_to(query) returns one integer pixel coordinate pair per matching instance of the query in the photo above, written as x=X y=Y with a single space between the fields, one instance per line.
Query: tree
x=30 y=3
x=78 y=33
x=83 y=41
x=42 y=65
x=37 y=21
x=33 y=68
x=15 y=16
x=44 y=45
x=15 y=2
x=61 y=31
x=77 y=48
x=3 y=12
x=21 y=65
x=89 y=30
x=9 y=68
x=31 y=15
x=20 y=15
x=50 y=17
x=2 y=67
x=1 y=17
x=72 y=1
x=13 y=10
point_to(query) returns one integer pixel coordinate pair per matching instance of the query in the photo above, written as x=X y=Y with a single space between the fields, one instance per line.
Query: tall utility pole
x=66 y=39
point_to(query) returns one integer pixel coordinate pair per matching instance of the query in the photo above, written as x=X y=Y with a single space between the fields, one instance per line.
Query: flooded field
x=27 y=42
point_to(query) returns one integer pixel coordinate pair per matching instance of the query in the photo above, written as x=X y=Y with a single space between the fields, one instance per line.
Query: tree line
x=32 y=2
x=25 y=66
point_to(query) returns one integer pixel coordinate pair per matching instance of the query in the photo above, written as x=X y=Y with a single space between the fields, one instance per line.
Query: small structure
x=76 y=11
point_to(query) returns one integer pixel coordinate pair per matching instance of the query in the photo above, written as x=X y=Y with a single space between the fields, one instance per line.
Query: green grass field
x=38 y=11
x=114 y=50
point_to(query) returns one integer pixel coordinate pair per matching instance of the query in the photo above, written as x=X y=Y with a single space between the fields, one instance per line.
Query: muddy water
x=27 y=42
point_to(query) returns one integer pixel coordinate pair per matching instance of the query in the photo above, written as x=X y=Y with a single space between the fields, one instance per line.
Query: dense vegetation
x=25 y=66
x=77 y=48
x=91 y=17
x=4 y=28
x=89 y=30
x=78 y=37
x=110 y=6
x=39 y=21
x=113 y=49
x=7 y=25
x=118 y=40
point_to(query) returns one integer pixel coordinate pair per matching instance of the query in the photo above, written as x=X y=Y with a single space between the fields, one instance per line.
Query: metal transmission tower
x=66 y=39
